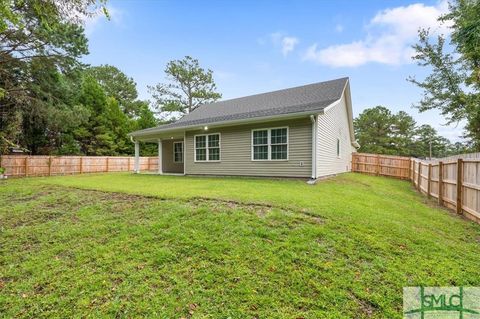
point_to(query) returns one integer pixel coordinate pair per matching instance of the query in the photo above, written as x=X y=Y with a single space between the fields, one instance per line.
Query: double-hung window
x=270 y=144
x=178 y=152
x=207 y=148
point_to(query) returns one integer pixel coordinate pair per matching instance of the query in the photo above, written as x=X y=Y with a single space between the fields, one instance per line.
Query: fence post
x=49 y=166
x=26 y=166
x=81 y=164
x=409 y=168
x=378 y=165
x=353 y=162
x=440 y=183
x=459 y=185
x=106 y=169
x=128 y=169
x=429 y=182
x=419 y=177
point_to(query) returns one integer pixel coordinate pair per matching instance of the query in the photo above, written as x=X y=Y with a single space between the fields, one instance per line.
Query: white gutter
x=313 y=118
x=232 y=122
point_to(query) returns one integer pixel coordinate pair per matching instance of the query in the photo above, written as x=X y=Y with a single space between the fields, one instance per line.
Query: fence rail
x=454 y=182
x=24 y=166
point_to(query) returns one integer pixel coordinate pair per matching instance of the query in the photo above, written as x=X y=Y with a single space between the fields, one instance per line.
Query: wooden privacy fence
x=385 y=165
x=23 y=166
x=455 y=183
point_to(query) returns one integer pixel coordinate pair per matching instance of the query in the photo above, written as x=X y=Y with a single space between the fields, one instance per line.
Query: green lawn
x=128 y=246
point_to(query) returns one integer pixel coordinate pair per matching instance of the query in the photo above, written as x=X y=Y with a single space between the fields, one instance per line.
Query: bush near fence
x=24 y=166
x=454 y=182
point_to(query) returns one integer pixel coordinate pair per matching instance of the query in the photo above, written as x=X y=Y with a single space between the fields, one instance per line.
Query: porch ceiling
x=163 y=137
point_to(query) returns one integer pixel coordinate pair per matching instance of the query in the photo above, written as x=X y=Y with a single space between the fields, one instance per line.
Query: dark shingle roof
x=306 y=98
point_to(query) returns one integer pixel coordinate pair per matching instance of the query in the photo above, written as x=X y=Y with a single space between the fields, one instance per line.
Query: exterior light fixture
x=205 y=128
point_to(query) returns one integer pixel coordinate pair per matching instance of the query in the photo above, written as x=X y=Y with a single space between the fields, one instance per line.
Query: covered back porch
x=171 y=155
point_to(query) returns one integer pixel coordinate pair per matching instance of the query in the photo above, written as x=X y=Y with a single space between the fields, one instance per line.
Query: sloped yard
x=123 y=245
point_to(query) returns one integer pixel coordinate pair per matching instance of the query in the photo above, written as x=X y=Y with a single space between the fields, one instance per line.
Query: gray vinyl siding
x=168 y=165
x=236 y=154
x=333 y=124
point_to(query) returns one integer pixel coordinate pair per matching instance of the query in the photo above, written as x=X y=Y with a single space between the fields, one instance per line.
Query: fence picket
x=440 y=183
x=459 y=185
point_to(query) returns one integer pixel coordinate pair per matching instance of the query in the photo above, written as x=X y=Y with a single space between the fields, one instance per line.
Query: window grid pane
x=278 y=136
x=260 y=152
x=201 y=154
x=260 y=137
x=214 y=154
x=200 y=141
x=213 y=140
x=279 y=152
x=178 y=152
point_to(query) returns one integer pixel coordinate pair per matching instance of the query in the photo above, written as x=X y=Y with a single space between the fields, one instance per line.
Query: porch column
x=136 y=167
x=160 y=168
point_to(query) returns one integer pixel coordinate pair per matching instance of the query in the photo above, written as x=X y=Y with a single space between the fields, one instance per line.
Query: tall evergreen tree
x=188 y=86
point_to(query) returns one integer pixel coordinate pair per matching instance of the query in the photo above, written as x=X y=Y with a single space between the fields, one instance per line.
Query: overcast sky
x=260 y=46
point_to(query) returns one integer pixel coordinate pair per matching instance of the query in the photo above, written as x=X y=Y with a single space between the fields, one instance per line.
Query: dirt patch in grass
x=53 y=202
x=260 y=209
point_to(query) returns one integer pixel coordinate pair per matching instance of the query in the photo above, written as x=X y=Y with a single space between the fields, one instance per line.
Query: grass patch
x=123 y=245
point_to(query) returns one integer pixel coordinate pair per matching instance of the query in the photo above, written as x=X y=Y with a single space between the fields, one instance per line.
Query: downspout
x=313 y=119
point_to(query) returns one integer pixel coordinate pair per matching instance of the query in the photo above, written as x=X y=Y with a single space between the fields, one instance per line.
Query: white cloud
x=92 y=23
x=286 y=43
x=389 y=36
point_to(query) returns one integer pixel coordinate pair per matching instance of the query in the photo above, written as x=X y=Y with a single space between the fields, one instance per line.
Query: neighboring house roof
x=309 y=98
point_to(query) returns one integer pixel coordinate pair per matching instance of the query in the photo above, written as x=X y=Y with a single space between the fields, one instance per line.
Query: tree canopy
x=380 y=131
x=188 y=86
x=50 y=103
x=453 y=86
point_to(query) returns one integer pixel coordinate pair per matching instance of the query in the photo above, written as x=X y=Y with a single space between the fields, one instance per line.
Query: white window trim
x=206 y=148
x=179 y=142
x=269 y=145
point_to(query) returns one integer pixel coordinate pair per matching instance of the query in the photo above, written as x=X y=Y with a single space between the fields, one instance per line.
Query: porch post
x=136 y=167
x=160 y=168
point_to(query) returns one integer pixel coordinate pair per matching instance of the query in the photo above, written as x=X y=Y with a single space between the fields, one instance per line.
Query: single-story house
x=305 y=131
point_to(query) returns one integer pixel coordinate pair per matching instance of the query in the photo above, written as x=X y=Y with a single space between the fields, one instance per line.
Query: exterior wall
x=236 y=154
x=333 y=124
x=168 y=165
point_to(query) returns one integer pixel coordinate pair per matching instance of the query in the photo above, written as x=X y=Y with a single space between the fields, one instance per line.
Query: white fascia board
x=153 y=134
